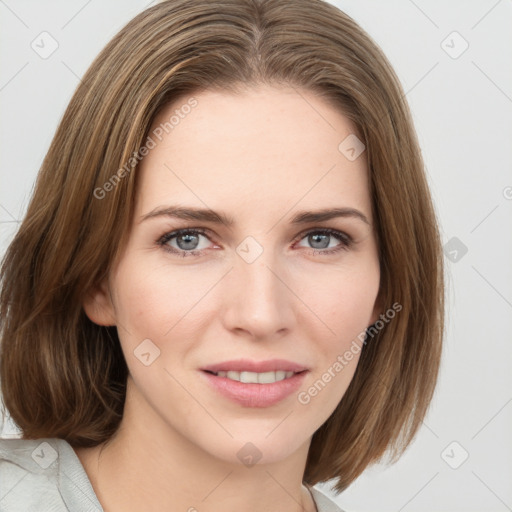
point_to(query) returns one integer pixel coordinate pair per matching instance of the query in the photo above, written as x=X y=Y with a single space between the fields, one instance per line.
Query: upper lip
x=247 y=365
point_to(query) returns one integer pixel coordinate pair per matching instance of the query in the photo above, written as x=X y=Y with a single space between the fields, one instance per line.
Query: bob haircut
x=64 y=376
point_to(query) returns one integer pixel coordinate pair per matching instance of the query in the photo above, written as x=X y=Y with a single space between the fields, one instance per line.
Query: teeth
x=256 y=378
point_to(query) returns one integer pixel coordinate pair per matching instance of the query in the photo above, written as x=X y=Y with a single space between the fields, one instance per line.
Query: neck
x=147 y=465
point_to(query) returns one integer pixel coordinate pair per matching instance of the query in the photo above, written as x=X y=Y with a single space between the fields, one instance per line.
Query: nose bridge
x=261 y=303
x=260 y=282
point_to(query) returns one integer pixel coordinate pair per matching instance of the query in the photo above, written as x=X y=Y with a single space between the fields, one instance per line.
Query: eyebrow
x=207 y=215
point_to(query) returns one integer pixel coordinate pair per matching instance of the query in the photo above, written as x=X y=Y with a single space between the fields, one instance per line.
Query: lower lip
x=255 y=395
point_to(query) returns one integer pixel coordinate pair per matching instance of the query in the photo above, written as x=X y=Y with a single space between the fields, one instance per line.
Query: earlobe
x=98 y=305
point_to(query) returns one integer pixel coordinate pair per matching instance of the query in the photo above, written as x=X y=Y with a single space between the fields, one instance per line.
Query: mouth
x=247 y=377
x=255 y=384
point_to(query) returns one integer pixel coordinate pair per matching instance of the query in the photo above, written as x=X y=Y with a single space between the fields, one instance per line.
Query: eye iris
x=187 y=239
x=315 y=238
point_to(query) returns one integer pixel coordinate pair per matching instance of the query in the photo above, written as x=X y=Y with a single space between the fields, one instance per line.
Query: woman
x=228 y=284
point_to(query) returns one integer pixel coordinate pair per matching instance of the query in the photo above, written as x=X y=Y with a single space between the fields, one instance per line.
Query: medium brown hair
x=64 y=376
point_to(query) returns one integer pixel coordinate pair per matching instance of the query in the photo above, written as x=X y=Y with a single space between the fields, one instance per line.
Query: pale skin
x=259 y=157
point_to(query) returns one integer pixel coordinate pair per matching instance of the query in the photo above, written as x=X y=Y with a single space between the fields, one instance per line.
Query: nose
x=257 y=301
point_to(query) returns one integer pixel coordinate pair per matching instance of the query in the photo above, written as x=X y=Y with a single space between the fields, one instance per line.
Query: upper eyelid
x=305 y=232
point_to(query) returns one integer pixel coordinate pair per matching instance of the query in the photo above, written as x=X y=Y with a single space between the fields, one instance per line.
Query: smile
x=253 y=389
x=254 y=377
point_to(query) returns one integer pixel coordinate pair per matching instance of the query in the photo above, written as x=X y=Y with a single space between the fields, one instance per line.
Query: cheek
x=345 y=302
x=353 y=305
x=152 y=299
x=343 y=299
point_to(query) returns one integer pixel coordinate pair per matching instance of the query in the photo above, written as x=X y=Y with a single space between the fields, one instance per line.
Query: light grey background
x=462 y=107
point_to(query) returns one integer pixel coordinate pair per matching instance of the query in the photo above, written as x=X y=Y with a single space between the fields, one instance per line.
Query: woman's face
x=270 y=282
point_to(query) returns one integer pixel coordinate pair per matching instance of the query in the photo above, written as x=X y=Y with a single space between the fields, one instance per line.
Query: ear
x=98 y=305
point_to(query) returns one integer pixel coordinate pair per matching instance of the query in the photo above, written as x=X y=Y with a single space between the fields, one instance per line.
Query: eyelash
x=346 y=241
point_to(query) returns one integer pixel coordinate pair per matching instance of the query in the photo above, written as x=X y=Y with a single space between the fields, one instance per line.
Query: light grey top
x=45 y=475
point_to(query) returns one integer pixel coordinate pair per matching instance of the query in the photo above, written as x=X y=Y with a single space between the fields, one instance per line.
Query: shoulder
x=28 y=474
x=42 y=474
x=323 y=503
x=31 y=454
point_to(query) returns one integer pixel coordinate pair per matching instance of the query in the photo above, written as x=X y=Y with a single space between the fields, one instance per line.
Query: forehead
x=265 y=149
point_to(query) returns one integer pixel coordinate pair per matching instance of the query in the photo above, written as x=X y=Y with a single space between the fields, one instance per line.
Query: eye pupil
x=316 y=238
x=183 y=241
